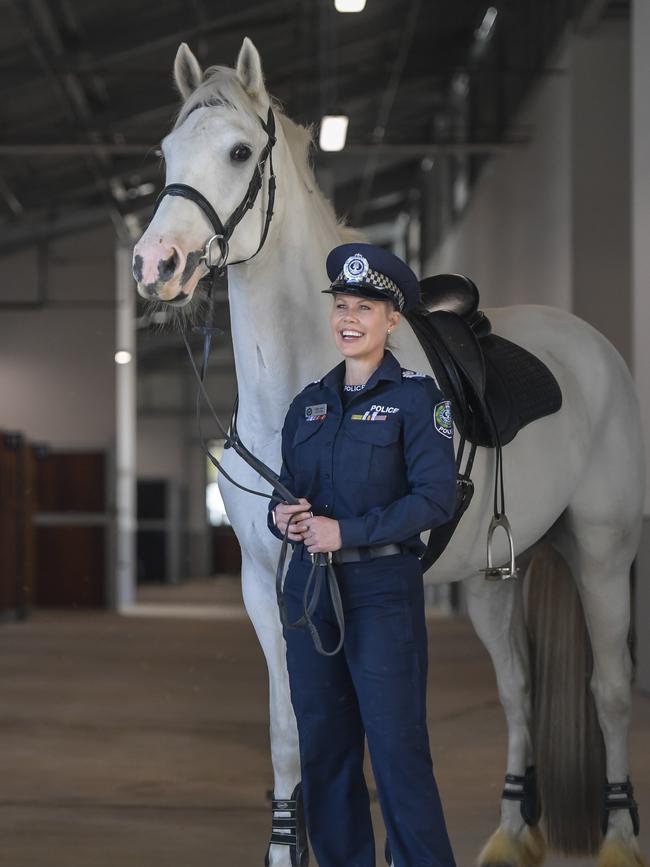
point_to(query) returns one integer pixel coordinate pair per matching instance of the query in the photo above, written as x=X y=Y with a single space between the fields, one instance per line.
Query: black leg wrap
x=289 y=830
x=619 y=796
x=524 y=789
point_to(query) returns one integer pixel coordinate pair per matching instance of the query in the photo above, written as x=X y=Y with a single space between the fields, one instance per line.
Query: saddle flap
x=461 y=343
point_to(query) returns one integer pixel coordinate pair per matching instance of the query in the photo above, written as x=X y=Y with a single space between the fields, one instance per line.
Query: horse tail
x=568 y=744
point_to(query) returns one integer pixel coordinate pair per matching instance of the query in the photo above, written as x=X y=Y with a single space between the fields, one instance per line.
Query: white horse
x=574 y=479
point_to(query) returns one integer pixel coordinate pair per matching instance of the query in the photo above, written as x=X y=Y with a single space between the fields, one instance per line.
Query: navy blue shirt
x=382 y=464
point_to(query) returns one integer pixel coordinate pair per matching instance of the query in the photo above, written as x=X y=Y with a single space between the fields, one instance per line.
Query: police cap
x=372 y=272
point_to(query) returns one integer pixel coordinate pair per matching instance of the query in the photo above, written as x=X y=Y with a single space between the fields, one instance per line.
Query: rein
x=222 y=232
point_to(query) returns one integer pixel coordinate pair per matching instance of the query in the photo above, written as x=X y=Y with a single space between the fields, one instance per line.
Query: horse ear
x=187 y=71
x=249 y=68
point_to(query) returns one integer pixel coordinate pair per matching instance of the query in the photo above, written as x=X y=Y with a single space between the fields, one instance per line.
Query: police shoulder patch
x=409 y=374
x=442 y=419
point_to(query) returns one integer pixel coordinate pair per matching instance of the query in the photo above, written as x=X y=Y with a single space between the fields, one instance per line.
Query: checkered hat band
x=374 y=280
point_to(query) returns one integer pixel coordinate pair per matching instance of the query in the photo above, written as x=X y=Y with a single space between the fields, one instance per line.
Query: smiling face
x=360 y=326
x=214 y=147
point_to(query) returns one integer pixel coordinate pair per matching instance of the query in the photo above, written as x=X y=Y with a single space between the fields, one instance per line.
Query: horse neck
x=279 y=318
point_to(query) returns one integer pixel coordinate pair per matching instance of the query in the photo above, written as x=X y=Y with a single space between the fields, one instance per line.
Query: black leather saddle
x=495 y=386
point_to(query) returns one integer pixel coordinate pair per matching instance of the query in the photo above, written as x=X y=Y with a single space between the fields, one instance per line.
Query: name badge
x=316 y=413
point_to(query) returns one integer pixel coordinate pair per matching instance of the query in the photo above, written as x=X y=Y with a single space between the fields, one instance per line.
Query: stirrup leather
x=619 y=796
x=289 y=830
x=524 y=789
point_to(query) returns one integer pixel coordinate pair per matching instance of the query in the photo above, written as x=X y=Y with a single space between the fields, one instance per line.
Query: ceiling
x=86 y=93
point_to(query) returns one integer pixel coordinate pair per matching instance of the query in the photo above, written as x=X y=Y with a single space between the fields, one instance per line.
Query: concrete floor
x=143 y=741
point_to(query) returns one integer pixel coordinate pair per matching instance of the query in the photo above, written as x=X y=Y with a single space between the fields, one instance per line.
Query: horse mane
x=300 y=140
x=221 y=87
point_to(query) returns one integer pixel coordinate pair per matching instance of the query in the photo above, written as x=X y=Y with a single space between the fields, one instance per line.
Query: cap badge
x=355 y=268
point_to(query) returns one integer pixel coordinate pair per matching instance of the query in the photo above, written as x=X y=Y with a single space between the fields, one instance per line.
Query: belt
x=355 y=555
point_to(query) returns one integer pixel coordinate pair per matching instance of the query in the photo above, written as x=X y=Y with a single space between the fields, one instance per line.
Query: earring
x=389 y=331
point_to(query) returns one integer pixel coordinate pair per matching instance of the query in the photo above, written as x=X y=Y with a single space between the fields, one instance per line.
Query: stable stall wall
x=57 y=387
x=169 y=447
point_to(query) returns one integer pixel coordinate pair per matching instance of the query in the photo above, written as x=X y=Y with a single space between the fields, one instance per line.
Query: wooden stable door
x=17 y=479
x=71 y=530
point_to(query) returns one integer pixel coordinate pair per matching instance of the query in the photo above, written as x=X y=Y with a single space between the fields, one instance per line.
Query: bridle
x=222 y=232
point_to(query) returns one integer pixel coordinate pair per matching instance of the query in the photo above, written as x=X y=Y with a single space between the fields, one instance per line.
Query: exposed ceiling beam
x=258 y=17
x=39 y=149
x=71 y=95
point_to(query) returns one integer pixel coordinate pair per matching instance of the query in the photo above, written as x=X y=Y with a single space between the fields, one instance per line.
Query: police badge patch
x=356 y=267
x=442 y=419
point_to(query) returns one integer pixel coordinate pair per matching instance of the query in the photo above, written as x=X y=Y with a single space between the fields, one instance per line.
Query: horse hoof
x=616 y=853
x=505 y=850
x=501 y=850
x=533 y=846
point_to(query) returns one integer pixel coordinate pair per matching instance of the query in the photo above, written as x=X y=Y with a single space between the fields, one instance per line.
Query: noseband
x=223 y=231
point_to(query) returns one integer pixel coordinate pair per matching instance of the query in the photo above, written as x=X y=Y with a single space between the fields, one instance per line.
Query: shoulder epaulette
x=410 y=374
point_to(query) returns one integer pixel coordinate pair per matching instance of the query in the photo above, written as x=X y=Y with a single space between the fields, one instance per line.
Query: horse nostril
x=137 y=268
x=167 y=267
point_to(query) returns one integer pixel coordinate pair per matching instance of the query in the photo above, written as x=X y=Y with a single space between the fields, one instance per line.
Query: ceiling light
x=485 y=29
x=122 y=357
x=333 y=132
x=349 y=5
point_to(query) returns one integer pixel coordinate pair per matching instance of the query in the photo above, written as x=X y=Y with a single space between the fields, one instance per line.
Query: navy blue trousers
x=375 y=686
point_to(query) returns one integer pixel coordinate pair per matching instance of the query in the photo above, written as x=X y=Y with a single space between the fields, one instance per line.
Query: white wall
x=514 y=238
x=56 y=362
x=549 y=222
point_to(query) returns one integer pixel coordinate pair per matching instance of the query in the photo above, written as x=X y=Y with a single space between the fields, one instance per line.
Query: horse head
x=215 y=147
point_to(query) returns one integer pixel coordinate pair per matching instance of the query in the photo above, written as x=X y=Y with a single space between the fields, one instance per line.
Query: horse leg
x=599 y=550
x=497 y=613
x=261 y=605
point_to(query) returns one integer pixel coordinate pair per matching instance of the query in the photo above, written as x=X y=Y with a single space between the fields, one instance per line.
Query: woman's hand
x=292 y=515
x=320 y=534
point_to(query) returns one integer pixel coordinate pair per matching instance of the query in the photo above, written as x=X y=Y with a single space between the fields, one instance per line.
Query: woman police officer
x=369 y=449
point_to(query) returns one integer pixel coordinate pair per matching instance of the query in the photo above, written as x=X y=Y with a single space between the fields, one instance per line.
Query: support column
x=641 y=300
x=123 y=583
x=600 y=180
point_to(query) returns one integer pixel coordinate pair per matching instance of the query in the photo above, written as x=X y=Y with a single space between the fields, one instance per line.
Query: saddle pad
x=519 y=388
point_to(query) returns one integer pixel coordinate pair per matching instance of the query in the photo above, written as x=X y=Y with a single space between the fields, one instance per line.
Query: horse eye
x=240 y=153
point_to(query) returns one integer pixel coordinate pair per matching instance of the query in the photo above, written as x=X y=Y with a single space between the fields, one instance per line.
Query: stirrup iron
x=508 y=570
